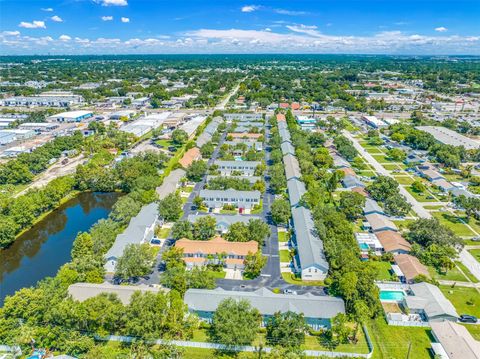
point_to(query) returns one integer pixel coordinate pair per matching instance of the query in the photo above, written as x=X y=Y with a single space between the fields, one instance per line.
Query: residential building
x=216 y=251
x=368 y=242
x=317 y=310
x=393 y=242
x=409 y=268
x=193 y=154
x=380 y=223
x=243 y=200
x=429 y=301
x=287 y=148
x=296 y=189
x=310 y=260
x=246 y=167
x=83 y=291
x=372 y=207
x=223 y=221
x=453 y=341
x=284 y=134
x=374 y=122
x=250 y=179
x=243 y=117
x=245 y=136
x=352 y=181
x=257 y=146
x=281 y=117
x=292 y=168
x=140 y=230
x=170 y=183
x=210 y=129
x=190 y=127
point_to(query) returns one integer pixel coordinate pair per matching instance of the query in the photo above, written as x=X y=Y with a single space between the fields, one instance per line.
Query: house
x=429 y=301
x=83 y=291
x=310 y=260
x=243 y=117
x=140 y=230
x=352 y=181
x=246 y=167
x=393 y=242
x=250 y=179
x=339 y=161
x=453 y=341
x=284 y=134
x=170 y=183
x=410 y=268
x=347 y=171
x=210 y=129
x=317 y=310
x=287 y=148
x=430 y=174
x=223 y=221
x=379 y=223
x=257 y=146
x=193 y=154
x=282 y=125
x=368 y=242
x=371 y=207
x=360 y=190
x=296 y=189
x=444 y=185
x=240 y=199
x=216 y=251
x=249 y=136
x=292 y=168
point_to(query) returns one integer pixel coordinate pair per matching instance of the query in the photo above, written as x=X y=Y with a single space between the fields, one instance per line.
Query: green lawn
x=466 y=271
x=392 y=342
x=404 y=180
x=381 y=158
x=163 y=233
x=312 y=342
x=453 y=274
x=187 y=189
x=474 y=330
x=475 y=253
x=282 y=237
x=229 y=211
x=383 y=270
x=421 y=197
x=454 y=223
x=366 y=173
x=284 y=256
x=218 y=274
x=459 y=296
x=433 y=208
x=290 y=278
x=403 y=224
x=164 y=143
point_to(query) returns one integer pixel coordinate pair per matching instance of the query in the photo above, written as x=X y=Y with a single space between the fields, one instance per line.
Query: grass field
x=381 y=158
x=466 y=271
x=452 y=274
x=284 y=256
x=282 y=237
x=391 y=342
x=383 y=270
x=459 y=296
x=404 y=180
x=475 y=253
x=454 y=223
x=290 y=278
x=420 y=197
x=474 y=330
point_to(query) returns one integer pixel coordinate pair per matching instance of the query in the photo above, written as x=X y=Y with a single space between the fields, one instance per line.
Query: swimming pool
x=392 y=295
x=238 y=158
x=364 y=246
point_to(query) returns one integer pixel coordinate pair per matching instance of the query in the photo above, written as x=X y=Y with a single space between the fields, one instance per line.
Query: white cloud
x=290 y=12
x=64 y=38
x=11 y=33
x=125 y=19
x=48 y=9
x=35 y=24
x=250 y=8
x=107 y=18
x=304 y=29
x=113 y=2
x=56 y=18
x=441 y=29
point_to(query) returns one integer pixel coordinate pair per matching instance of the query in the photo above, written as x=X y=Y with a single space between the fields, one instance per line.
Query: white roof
x=71 y=114
x=449 y=137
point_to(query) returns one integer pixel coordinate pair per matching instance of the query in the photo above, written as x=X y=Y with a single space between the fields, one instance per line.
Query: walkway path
x=459 y=284
x=470 y=262
x=416 y=206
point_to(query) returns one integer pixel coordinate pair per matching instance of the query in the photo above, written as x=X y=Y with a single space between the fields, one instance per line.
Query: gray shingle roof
x=136 y=230
x=371 y=206
x=431 y=299
x=282 y=125
x=352 y=181
x=309 y=245
x=170 y=183
x=287 y=148
x=296 y=189
x=284 y=134
x=292 y=169
x=224 y=221
x=209 y=130
x=267 y=302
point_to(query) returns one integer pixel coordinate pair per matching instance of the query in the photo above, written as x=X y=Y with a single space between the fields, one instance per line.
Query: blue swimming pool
x=392 y=295
x=238 y=158
x=364 y=246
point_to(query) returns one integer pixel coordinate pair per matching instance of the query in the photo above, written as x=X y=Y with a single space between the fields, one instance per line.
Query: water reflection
x=43 y=249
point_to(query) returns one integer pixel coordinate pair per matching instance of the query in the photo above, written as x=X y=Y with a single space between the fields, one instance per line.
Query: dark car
x=465 y=318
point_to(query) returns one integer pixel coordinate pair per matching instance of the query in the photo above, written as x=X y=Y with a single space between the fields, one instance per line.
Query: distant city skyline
x=193 y=26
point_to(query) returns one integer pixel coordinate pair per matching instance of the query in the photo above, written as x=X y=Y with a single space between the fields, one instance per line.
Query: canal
x=43 y=249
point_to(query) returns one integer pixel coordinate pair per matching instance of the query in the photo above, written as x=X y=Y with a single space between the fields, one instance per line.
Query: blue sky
x=202 y=26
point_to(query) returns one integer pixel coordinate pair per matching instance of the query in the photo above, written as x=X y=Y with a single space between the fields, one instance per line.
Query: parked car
x=289 y=291
x=476 y=239
x=465 y=318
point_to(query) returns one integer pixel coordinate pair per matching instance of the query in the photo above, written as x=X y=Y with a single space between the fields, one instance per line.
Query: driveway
x=416 y=206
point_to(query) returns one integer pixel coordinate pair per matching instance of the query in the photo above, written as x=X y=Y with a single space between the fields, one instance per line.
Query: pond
x=43 y=249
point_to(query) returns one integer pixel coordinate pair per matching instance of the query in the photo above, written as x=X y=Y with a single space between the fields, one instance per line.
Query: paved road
x=470 y=262
x=223 y=103
x=416 y=206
